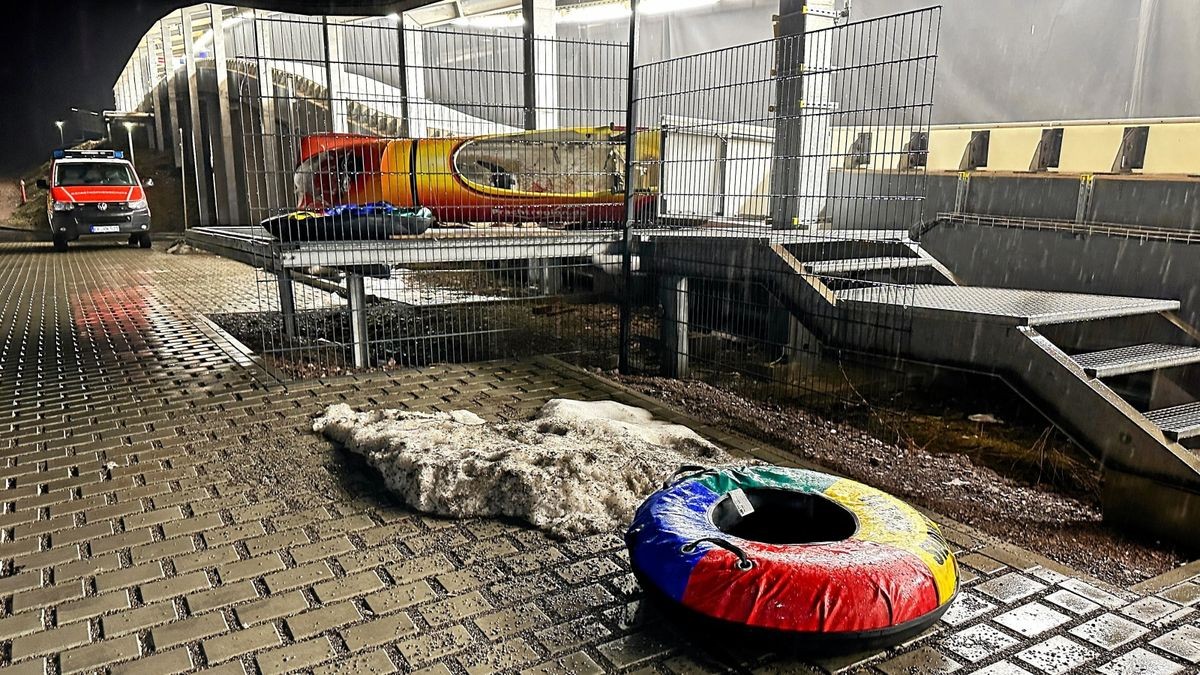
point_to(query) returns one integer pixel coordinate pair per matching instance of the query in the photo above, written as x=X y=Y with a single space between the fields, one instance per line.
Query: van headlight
x=137 y=205
x=64 y=206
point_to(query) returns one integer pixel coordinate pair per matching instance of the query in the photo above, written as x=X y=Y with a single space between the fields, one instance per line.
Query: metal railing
x=1139 y=232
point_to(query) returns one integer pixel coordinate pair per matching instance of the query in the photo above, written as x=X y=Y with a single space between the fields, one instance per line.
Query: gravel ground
x=1063 y=525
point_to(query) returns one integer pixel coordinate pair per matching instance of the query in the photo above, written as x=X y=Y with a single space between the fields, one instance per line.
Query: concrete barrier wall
x=1012 y=257
x=1173 y=204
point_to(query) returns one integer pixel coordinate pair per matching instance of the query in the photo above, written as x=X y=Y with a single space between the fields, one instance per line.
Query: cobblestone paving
x=130 y=544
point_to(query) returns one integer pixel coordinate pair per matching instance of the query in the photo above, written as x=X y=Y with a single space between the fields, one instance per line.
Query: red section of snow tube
x=849 y=586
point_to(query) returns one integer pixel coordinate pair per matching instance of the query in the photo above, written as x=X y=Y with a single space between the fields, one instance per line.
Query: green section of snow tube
x=727 y=480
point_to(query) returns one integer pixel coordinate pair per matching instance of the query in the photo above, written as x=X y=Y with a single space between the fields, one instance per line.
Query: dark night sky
x=58 y=55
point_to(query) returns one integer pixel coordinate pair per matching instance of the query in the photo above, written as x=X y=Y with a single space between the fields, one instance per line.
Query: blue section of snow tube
x=677 y=516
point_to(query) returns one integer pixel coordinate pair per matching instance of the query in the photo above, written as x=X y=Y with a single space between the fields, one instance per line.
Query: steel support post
x=338 y=120
x=626 y=328
x=402 y=38
x=275 y=183
x=358 y=319
x=540 y=64
x=962 y=192
x=155 y=135
x=200 y=167
x=416 y=111
x=287 y=301
x=546 y=274
x=227 y=182
x=164 y=32
x=674 y=292
x=787 y=153
x=1083 y=202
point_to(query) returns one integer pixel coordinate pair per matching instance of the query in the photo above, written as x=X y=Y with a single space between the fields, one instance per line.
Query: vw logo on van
x=102 y=206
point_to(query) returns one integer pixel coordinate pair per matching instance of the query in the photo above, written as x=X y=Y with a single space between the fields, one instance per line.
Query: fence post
x=630 y=195
x=787 y=164
x=358 y=320
x=674 y=298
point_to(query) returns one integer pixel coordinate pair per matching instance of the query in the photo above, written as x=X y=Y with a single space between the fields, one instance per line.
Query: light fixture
x=664 y=6
x=393 y=17
x=510 y=20
x=594 y=13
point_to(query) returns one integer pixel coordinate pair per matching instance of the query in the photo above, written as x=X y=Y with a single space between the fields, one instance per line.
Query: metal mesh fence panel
x=789 y=172
x=414 y=196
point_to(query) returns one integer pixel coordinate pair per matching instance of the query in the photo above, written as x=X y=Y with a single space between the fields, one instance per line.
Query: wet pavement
x=166 y=509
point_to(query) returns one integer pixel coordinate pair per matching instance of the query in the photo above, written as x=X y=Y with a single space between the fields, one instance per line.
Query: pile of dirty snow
x=576 y=468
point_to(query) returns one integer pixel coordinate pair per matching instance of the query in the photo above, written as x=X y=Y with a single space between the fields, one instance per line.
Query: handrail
x=1143 y=232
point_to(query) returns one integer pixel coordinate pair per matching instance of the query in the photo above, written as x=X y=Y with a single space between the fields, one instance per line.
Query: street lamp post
x=61 y=141
x=129 y=135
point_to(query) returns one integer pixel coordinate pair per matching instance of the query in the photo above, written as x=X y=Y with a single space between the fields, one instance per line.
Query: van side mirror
x=149 y=182
x=42 y=184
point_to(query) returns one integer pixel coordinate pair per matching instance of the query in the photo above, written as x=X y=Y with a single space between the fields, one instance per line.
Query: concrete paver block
x=1183 y=642
x=1057 y=655
x=1109 y=631
x=979 y=642
x=1032 y=619
x=1140 y=662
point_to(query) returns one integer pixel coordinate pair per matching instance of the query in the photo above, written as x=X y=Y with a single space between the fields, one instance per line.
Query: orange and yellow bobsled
x=560 y=175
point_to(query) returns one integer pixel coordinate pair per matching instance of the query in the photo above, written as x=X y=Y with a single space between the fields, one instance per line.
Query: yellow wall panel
x=1090 y=149
x=946 y=148
x=1012 y=148
x=1173 y=148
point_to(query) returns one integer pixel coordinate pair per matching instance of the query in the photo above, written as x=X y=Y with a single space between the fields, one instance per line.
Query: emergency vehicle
x=95 y=193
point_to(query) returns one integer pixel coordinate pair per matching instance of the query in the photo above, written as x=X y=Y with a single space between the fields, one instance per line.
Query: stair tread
x=1005 y=305
x=1136 y=358
x=865 y=264
x=1178 y=422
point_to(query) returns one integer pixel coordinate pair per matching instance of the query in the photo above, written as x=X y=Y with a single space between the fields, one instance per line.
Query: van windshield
x=93 y=173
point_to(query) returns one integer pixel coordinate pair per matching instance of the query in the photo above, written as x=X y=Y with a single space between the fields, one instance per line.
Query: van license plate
x=105 y=228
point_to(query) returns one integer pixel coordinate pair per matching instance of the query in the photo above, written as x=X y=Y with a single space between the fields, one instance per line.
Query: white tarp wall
x=1027 y=60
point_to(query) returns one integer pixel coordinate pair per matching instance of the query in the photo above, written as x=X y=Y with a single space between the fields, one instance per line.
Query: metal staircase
x=1121 y=375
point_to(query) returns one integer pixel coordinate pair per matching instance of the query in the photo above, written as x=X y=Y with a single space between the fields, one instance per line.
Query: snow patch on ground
x=576 y=468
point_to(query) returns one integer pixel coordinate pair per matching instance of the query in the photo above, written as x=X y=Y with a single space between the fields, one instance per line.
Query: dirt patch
x=1063 y=527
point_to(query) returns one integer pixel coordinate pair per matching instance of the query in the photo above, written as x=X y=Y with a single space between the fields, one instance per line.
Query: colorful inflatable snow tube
x=827 y=562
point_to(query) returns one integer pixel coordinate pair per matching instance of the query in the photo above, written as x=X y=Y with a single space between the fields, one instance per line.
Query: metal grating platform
x=1004 y=305
x=1179 y=422
x=255 y=246
x=865 y=265
x=1136 y=359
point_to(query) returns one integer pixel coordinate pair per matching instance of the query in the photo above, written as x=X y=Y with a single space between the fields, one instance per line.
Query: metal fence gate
x=424 y=197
